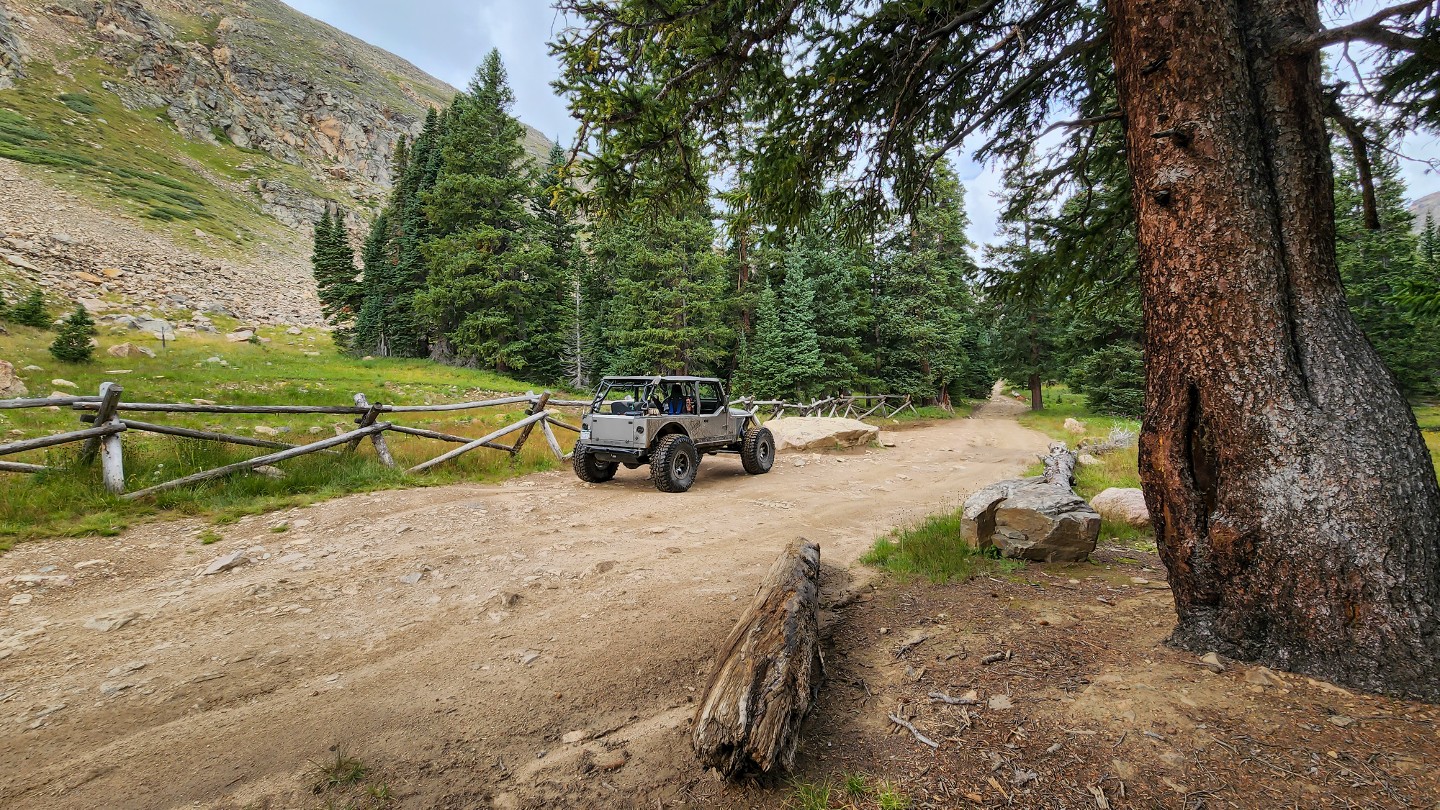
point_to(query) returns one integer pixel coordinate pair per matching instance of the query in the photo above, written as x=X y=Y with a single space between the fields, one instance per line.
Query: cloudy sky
x=448 y=38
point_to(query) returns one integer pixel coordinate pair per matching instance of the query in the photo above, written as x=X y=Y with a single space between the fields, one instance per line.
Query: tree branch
x=1370 y=30
x=1360 y=146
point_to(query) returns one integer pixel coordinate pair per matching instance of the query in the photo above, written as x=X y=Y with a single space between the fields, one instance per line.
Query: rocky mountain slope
x=1429 y=204
x=222 y=128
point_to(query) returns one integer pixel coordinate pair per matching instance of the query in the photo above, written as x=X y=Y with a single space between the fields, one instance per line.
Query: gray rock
x=411 y=578
x=1125 y=505
x=111 y=621
x=113 y=688
x=1032 y=520
x=235 y=559
x=126 y=350
x=60 y=383
x=269 y=471
x=242 y=336
x=160 y=329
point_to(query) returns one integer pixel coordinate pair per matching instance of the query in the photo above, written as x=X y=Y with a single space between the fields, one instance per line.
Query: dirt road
x=532 y=644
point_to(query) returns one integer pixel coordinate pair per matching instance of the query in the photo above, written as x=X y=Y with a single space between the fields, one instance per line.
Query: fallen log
x=1060 y=465
x=767 y=674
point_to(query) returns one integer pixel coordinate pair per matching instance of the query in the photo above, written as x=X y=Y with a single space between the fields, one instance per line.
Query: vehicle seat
x=622 y=407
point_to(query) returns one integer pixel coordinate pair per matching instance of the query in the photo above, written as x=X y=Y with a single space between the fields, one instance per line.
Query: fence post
x=372 y=412
x=535 y=407
x=112 y=463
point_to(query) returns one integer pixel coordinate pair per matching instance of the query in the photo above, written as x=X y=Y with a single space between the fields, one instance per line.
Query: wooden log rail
x=845 y=406
x=103 y=439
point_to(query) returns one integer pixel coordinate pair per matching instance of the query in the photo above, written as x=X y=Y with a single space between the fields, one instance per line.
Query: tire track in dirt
x=445 y=636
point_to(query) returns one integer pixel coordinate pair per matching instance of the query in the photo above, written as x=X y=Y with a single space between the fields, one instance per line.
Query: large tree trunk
x=1293 y=497
x=1037 y=393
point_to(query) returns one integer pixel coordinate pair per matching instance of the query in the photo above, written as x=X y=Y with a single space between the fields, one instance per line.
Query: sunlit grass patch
x=935 y=550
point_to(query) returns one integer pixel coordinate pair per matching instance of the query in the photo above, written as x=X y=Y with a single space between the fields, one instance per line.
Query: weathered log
x=444 y=437
x=767 y=674
x=204 y=435
x=538 y=406
x=109 y=397
x=90 y=404
x=16 y=466
x=551 y=440
x=378 y=439
x=1060 y=465
x=59 y=438
x=258 y=461
x=483 y=441
x=43 y=402
x=458 y=406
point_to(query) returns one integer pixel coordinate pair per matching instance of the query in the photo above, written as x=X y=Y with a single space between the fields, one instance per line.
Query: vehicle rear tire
x=590 y=469
x=757 y=451
x=675 y=464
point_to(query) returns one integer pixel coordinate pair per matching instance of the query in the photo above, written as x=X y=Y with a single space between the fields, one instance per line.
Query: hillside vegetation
x=285 y=371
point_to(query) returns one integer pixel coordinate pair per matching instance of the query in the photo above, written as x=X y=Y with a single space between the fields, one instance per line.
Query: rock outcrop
x=11 y=387
x=1032 y=520
x=1124 y=505
x=820 y=433
x=12 y=52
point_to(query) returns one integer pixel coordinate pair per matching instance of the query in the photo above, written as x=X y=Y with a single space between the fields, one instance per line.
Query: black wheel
x=675 y=463
x=590 y=469
x=757 y=452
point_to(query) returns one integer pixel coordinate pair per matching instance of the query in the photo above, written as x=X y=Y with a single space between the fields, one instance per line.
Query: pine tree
x=668 y=298
x=927 y=334
x=1380 y=267
x=333 y=263
x=768 y=376
x=491 y=289
x=72 y=345
x=559 y=346
x=797 y=336
x=31 y=311
x=1429 y=246
x=387 y=323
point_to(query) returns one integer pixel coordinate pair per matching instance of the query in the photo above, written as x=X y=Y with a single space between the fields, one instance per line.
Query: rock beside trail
x=1031 y=520
x=1122 y=505
x=1074 y=425
x=11 y=387
x=820 y=433
x=129 y=350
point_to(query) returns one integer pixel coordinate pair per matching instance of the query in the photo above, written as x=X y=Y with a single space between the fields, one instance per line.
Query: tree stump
x=767 y=674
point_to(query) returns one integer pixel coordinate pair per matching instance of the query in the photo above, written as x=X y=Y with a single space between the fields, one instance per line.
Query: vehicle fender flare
x=669 y=428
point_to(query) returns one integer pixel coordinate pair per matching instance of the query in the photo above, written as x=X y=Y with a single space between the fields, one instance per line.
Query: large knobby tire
x=590 y=469
x=675 y=463
x=757 y=451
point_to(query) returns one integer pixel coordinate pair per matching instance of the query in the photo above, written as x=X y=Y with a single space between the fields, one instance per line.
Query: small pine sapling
x=31 y=311
x=72 y=345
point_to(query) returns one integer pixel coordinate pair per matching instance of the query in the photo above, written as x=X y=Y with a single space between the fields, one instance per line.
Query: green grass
x=1429 y=418
x=933 y=549
x=209 y=537
x=72 y=501
x=855 y=792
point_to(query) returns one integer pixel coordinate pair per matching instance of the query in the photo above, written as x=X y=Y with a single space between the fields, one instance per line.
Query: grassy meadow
x=289 y=370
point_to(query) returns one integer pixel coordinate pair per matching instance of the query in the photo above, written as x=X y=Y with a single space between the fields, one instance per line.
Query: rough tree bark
x=767 y=674
x=1293 y=497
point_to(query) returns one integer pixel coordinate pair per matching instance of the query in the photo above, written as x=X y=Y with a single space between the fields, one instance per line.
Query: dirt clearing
x=534 y=643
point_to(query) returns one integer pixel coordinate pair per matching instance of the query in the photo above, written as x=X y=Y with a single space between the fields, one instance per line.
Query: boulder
x=241 y=336
x=820 y=433
x=60 y=383
x=129 y=350
x=1122 y=505
x=1074 y=425
x=1029 y=519
x=11 y=387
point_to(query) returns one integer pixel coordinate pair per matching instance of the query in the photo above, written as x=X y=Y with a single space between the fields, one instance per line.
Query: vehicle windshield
x=622 y=397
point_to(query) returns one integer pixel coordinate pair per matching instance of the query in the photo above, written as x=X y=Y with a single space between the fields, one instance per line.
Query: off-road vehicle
x=668 y=423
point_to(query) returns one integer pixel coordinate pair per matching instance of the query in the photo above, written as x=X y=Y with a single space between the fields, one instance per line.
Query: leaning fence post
x=535 y=407
x=109 y=398
x=372 y=412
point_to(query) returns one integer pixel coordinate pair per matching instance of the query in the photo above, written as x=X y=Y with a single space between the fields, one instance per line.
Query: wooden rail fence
x=853 y=406
x=105 y=415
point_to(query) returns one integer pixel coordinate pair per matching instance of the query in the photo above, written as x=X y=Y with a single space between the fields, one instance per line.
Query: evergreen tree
x=797 y=337
x=668 y=290
x=1380 y=267
x=768 y=367
x=31 y=311
x=491 y=289
x=929 y=340
x=560 y=346
x=387 y=323
x=72 y=345
x=333 y=263
x=844 y=323
x=1430 y=245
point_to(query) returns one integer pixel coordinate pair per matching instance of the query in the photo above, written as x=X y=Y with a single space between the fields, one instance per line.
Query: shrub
x=1112 y=379
x=31 y=311
x=80 y=103
x=72 y=345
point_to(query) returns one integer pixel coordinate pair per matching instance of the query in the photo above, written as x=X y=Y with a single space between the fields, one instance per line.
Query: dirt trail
x=447 y=637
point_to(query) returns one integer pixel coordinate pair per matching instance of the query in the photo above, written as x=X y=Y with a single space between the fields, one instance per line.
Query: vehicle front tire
x=590 y=469
x=757 y=451
x=675 y=464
